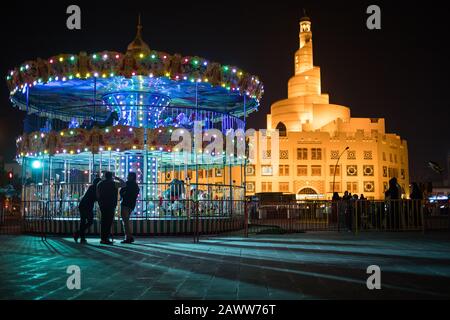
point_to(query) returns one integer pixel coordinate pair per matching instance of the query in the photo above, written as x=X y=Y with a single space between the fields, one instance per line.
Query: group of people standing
x=351 y=208
x=105 y=191
x=346 y=207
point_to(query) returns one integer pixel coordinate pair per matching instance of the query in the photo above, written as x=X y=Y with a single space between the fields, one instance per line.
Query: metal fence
x=295 y=217
x=351 y=215
x=11 y=221
x=355 y=216
x=155 y=200
x=191 y=217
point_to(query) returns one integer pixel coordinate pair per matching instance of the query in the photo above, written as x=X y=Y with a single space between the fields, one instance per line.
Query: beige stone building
x=314 y=134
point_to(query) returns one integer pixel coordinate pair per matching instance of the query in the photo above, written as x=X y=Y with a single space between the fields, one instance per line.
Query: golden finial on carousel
x=138 y=46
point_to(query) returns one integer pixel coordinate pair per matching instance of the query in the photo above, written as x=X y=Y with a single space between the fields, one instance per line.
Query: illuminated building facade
x=314 y=134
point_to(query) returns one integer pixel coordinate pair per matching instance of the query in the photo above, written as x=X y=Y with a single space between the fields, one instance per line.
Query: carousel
x=88 y=113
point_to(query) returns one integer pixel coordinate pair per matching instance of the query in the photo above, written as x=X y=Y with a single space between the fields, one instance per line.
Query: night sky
x=400 y=73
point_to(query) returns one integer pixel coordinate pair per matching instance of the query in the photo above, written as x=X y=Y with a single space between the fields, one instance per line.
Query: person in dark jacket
x=392 y=195
x=416 y=193
x=336 y=197
x=129 y=195
x=334 y=207
x=107 y=196
x=86 y=208
x=416 y=204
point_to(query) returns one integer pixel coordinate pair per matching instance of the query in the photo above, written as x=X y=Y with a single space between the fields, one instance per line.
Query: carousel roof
x=70 y=85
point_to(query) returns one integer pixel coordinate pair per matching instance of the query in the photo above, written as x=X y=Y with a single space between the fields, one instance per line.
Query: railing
x=355 y=216
x=10 y=221
x=300 y=216
x=156 y=200
x=195 y=204
x=350 y=215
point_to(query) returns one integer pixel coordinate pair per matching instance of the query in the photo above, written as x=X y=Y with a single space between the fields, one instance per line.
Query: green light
x=36 y=164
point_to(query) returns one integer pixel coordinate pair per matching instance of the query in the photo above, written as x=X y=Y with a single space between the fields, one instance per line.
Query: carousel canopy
x=76 y=85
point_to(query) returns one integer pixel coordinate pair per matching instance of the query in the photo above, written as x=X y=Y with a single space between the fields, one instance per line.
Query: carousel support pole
x=222 y=189
x=28 y=98
x=49 y=193
x=231 y=185
x=68 y=171
x=90 y=172
x=49 y=178
x=196 y=200
x=42 y=204
x=94 y=98
x=101 y=160
x=43 y=173
x=186 y=178
x=24 y=194
x=245 y=170
x=145 y=183
x=93 y=163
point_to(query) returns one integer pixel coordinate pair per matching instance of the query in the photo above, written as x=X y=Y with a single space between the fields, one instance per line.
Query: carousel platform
x=148 y=226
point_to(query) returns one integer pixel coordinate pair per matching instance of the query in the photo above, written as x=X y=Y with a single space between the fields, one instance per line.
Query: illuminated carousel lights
x=192 y=61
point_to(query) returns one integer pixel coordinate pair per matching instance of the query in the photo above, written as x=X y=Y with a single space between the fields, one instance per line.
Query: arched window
x=281 y=129
x=307 y=191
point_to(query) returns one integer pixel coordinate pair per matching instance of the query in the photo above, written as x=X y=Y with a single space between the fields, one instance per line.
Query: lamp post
x=335 y=167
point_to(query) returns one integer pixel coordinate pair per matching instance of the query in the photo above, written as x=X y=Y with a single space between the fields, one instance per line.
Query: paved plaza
x=292 y=266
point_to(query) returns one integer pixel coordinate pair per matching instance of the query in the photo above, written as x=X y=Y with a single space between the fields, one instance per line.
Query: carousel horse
x=73 y=124
x=160 y=123
x=205 y=204
x=182 y=120
x=168 y=122
x=176 y=189
x=173 y=197
x=89 y=124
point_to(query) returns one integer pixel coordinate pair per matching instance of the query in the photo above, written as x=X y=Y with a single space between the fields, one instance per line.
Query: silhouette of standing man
x=86 y=208
x=129 y=194
x=107 y=200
